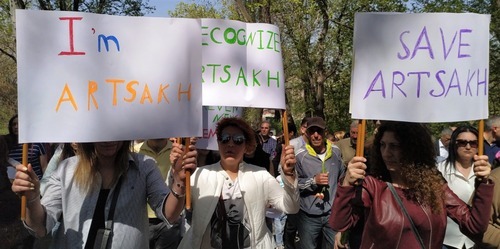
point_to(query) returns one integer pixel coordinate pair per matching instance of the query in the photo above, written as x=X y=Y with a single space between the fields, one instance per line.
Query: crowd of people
x=406 y=191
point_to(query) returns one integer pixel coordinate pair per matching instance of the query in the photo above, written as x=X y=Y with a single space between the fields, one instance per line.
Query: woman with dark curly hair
x=403 y=173
x=229 y=198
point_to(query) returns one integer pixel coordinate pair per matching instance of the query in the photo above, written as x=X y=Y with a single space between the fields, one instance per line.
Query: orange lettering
x=146 y=95
x=180 y=92
x=92 y=90
x=114 y=82
x=131 y=90
x=66 y=91
x=161 y=93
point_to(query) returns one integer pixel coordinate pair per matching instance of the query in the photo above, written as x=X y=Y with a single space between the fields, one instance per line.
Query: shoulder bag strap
x=413 y=228
x=109 y=222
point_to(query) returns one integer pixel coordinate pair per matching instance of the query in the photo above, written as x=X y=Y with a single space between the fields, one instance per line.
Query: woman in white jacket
x=229 y=198
x=458 y=172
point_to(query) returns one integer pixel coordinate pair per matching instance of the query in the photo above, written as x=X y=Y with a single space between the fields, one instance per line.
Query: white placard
x=211 y=116
x=86 y=77
x=430 y=67
x=242 y=64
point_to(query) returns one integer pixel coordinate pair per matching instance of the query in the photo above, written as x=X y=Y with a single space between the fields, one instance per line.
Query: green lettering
x=204 y=34
x=277 y=78
x=227 y=32
x=255 y=80
x=226 y=70
x=241 y=75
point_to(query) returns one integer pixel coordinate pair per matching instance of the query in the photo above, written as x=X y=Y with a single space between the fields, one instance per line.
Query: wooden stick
x=360 y=144
x=23 y=197
x=284 y=121
x=480 y=139
x=187 y=143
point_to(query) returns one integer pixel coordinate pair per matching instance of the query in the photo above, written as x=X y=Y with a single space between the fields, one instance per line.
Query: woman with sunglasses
x=404 y=199
x=229 y=198
x=457 y=170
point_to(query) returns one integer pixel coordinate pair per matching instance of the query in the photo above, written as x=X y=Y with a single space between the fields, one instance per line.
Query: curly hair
x=422 y=177
x=452 y=148
x=248 y=132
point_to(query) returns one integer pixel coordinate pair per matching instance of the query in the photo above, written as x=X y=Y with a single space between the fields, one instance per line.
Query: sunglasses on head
x=237 y=139
x=463 y=143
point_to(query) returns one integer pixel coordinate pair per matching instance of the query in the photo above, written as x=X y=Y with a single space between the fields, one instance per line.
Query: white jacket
x=258 y=187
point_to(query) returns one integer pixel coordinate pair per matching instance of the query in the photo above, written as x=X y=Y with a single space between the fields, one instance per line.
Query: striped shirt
x=34 y=152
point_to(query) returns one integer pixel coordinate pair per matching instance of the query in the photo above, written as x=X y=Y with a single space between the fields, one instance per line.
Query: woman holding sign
x=100 y=197
x=458 y=172
x=229 y=198
x=404 y=199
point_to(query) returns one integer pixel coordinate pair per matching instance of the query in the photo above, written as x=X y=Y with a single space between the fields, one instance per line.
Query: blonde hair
x=86 y=173
x=339 y=135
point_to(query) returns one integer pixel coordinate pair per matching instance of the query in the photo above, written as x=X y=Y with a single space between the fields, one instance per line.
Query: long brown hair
x=419 y=169
x=86 y=171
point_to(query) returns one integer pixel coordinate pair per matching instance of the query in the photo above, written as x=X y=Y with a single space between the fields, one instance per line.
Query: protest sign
x=242 y=64
x=86 y=77
x=430 y=67
x=211 y=116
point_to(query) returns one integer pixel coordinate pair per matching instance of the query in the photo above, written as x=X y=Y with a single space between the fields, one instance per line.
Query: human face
x=230 y=151
x=496 y=131
x=466 y=151
x=315 y=136
x=264 y=129
x=303 y=129
x=15 y=126
x=108 y=149
x=445 y=139
x=391 y=151
x=353 y=133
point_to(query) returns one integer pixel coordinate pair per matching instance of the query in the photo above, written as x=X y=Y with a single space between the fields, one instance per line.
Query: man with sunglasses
x=319 y=165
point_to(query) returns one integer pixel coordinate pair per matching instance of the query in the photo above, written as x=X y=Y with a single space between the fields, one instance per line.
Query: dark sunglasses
x=315 y=129
x=463 y=143
x=237 y=139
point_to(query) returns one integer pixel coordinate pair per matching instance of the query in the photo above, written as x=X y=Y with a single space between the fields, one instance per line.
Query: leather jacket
x=386 y=227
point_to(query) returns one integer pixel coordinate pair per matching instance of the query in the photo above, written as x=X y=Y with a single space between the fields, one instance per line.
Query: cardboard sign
x=86 y=77
x=430 y=67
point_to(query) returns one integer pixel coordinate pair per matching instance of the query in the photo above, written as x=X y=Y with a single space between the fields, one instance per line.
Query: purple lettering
x=469 y=79
x=484 y=82
x=419 y=77
x=447 y=51
x=451 y=85
x=406 y=49
x=460 y=44
x=372 y=85
x=396 y=84
x=440 y=81
x=423 y=36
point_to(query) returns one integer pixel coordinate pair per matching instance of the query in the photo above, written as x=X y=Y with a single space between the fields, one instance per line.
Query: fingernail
x=32 y=185
x=32 y=188
x=25 y=169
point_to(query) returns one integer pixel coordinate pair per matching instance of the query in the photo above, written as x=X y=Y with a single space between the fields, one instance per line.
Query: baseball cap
x=316 y=121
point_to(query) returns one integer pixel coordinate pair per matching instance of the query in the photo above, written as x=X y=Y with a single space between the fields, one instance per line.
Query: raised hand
x=356 y=170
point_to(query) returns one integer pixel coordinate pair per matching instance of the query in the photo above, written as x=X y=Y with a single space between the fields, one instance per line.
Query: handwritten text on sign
x=87 y=77
x=419 y=67
x=243 y=59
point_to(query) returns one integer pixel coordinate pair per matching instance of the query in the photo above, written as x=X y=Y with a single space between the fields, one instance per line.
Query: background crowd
x=307 y=195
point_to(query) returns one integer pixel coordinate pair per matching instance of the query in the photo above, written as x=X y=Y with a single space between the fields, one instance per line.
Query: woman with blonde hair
x=100 y=196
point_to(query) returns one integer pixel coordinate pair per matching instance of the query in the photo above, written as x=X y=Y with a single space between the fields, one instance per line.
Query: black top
x=98 y=218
